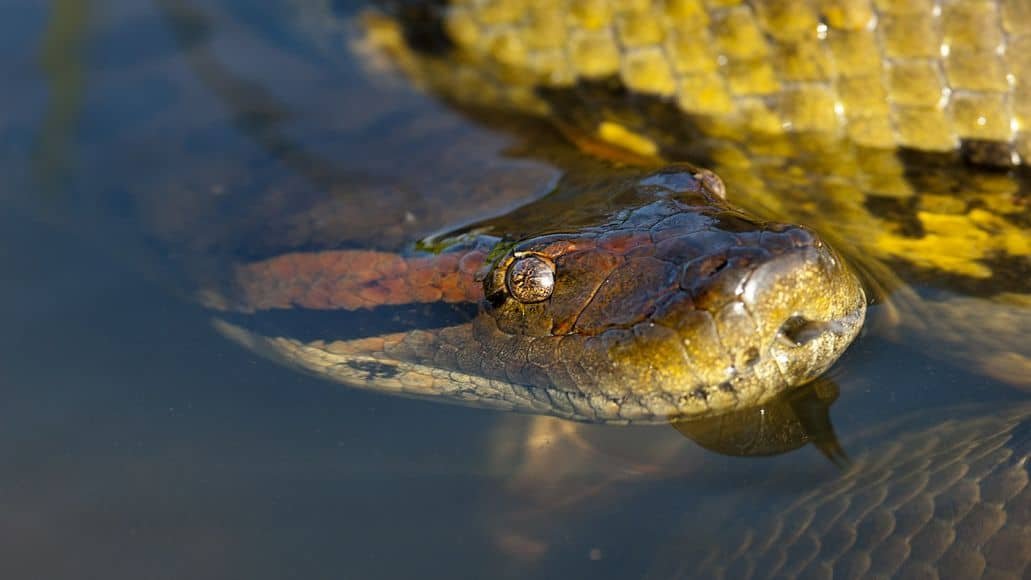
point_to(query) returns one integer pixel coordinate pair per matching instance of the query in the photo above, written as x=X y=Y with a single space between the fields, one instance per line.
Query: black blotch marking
x=374 y=370
x=700 y=393
x=590 y=102
x=726 y=387
x=972 y=155
x=422 y=24
x=918 y=162
x=307 y=324
x=951 y=174
x=901 y=211
x=1009 y=274
x=987 y=154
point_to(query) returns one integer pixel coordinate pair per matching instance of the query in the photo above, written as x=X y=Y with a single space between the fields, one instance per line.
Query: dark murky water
x=137 y=442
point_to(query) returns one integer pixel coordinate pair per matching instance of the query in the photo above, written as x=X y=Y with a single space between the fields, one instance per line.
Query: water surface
x=138 y=442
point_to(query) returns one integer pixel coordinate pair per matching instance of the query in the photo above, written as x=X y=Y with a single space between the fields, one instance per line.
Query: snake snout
x=756 y=318
x=807 y=306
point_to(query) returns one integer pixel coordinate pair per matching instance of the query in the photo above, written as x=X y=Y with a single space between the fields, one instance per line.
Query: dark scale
x=374 y=370
x=989 y=153
x=422 y=23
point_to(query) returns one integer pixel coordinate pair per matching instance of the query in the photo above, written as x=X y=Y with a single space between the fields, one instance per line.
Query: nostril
x=799 y=330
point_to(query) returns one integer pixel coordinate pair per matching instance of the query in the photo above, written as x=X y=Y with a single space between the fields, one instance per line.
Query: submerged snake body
x=939 y=497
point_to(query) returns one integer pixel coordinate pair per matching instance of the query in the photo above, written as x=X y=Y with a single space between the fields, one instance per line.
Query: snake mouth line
x=316 y=357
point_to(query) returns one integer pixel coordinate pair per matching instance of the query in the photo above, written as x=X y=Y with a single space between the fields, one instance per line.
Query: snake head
x=674 y=305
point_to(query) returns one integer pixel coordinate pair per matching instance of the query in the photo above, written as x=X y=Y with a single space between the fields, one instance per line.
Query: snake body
x=943 y=495
x=928 y=75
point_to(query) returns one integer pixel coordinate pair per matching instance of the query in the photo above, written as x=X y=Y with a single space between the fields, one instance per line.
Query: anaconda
x=974 y=298
x=898 y=130
x=798 y=146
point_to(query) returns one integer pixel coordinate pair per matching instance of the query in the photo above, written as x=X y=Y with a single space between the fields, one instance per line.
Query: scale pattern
x=952 y=501
x=918 y=73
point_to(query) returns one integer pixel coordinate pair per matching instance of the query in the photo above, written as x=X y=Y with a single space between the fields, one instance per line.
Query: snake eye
x=531 y=278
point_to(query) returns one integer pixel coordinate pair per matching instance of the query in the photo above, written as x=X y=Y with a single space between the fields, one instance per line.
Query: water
x=138 y=442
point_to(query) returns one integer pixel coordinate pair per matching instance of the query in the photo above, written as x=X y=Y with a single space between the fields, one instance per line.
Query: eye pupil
x=531 y=279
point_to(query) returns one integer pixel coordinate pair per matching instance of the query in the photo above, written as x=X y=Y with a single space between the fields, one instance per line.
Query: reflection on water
x=780 y=426
x=140 y=443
